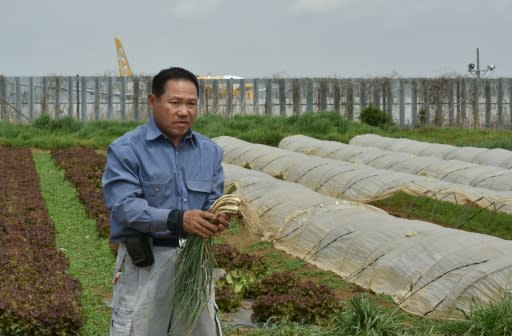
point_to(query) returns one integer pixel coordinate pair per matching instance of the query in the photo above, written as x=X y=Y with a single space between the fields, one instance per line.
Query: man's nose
x=182 y=109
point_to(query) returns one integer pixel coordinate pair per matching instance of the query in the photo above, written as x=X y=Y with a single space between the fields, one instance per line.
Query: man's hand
x=222 y=221
x=203 y=223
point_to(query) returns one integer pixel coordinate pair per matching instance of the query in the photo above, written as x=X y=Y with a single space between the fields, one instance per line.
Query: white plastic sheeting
x=455 y=171
x=427 y=269
x=498 y=157
x=354 y=182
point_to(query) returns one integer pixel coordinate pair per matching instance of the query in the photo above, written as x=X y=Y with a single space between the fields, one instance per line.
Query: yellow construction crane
x=122 y=61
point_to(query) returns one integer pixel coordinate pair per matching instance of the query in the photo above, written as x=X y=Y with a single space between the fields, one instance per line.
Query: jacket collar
x=153 y=133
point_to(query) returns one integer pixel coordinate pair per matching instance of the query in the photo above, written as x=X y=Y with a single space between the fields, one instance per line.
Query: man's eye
x=192 y=104
x=174 y=102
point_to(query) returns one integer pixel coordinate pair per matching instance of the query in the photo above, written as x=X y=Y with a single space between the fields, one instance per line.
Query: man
x=159 y=181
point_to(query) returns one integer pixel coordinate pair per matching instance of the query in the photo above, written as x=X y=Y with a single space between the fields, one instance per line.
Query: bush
x=375 y=117
x=66 y=123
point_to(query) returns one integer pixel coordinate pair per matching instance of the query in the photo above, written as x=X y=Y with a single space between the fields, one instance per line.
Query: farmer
x=158 y=181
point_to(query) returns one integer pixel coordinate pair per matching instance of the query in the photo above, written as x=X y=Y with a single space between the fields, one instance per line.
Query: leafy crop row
x=278 y=295
x=38 y=296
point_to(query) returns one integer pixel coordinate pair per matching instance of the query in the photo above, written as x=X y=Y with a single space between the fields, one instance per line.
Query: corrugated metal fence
x=412 y=102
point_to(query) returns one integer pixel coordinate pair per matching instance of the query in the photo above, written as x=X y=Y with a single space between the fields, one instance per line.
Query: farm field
x=68 y=157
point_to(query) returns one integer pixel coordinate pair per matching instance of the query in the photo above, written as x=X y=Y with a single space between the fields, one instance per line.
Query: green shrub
x=43 y=122
x=375 y=117
x=66 y=123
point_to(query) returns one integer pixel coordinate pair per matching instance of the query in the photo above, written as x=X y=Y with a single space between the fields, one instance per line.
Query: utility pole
x=477 y=72
x=478 y=62
x=77 y=97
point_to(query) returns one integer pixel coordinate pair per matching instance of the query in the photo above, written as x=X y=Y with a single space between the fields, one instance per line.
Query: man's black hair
x=158 y=84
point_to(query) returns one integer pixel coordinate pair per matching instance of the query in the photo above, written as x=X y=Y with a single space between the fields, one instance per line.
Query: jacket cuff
x=175 y=221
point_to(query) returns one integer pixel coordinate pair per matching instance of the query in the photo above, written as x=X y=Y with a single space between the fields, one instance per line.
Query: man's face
x=176 y=109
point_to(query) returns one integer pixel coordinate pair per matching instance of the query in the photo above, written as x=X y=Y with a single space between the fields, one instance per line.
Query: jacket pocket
x=198 y=191
x=158 y=192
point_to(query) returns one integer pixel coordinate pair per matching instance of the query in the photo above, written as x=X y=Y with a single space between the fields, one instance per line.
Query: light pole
x=477 y=72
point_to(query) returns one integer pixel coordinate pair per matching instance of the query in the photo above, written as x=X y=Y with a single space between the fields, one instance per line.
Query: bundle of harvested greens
x=196 y=261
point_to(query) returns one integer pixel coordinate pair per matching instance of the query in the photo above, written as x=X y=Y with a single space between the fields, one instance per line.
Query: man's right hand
x=199 y=222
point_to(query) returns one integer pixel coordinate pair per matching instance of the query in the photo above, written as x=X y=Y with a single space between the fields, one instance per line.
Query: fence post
x=510 y=101
x=44 y=97
x=323 y=91
x=424 y=115
x=255 y=96
x=110 y=99
x=282 y=97
x=401 y=99
x=229 y=97
x=3 y=98
x=96 y=98
x=84 y=98
x=350 y=100
x=362 y=94
x=268 y=96
x=202 y=97
x=17 y=101
x=501 y=122
x=241 y=95
x=458 y=92
x=487 y=93
x=70 y=96
x=215 y=94
x=376 y=95
x=414 y=103
x=136 y=98
x=388 y=86
x=463 y=104
x=451 y=104
x=57 y=97
x=123 y=98
x=309 y=95
x=77 y=88
x=296 y=96
x=475 y=103
x=337 y=96
x=149 y=89
x=31 y=99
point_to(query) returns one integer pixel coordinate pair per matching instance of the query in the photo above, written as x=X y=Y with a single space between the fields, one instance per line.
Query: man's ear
x=151 y=99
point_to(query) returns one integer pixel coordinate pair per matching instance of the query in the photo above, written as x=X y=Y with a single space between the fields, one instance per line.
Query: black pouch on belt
x=139 y=249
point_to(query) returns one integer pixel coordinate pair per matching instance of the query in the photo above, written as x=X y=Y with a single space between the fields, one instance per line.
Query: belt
x=173 y=241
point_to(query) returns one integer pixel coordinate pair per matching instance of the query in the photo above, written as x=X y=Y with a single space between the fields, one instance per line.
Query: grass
x=91 y=258
x=67 y=132
x=494 y=320
x=45 y=133
x=468 y=218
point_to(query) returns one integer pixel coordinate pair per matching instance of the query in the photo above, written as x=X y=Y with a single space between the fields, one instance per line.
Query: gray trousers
x=142 y=296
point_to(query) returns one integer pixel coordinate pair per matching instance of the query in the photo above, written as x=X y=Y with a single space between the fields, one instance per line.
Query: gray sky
x=263 y=38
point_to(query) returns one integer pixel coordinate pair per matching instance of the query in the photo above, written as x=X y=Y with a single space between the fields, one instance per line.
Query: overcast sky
x=262 y=38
